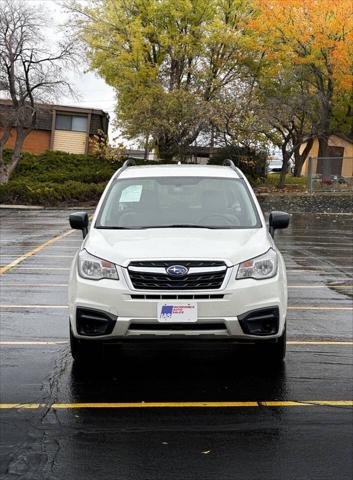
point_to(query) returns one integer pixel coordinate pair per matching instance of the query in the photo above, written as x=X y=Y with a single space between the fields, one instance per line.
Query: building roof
x=347 y=138
x=99 y=118
x=341 y=135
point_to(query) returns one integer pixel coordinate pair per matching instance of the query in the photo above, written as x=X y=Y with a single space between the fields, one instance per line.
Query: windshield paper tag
x=131 y=194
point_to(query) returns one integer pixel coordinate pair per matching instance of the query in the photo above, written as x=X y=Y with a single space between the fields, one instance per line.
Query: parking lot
x=175 y=412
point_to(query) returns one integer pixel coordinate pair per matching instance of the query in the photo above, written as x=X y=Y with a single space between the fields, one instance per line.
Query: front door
x=335 y=161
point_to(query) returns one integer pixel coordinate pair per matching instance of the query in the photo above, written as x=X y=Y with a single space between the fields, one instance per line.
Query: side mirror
x=79 y=221
x=278 y=220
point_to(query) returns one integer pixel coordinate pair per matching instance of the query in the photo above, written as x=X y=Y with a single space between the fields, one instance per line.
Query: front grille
x=178 y=297
x=169 y=263
x=195 y=281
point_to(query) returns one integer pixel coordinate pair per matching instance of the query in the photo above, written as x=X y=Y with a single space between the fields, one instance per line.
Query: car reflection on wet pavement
x=175 y=410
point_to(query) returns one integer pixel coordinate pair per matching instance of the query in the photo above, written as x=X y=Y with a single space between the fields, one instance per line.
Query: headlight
x=95 y=268
x=264 y=266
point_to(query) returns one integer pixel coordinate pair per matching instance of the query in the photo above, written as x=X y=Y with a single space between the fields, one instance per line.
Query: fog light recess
x=263 y=321
x=93 y=323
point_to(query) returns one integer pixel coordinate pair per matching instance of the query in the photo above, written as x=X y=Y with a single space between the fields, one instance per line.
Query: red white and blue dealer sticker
x=177 y=312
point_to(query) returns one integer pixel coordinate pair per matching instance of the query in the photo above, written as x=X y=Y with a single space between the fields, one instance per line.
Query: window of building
x=73 y=123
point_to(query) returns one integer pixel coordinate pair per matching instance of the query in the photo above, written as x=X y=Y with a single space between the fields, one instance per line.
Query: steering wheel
x=228 y=219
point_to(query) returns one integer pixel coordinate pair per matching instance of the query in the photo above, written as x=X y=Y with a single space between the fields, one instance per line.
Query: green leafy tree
x=168 y=61
x=316 y=36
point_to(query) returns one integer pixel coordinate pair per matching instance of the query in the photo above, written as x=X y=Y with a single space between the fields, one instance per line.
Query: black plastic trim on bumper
x=94 y=323
x=159 y=327
x=260 y=322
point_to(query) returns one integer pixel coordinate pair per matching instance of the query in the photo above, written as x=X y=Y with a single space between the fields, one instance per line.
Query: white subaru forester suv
x=178 y=252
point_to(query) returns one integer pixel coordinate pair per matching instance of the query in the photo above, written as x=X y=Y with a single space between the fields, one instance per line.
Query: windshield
x=178 y=202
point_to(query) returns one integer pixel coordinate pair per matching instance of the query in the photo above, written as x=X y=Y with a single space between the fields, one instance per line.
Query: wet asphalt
x=304 y=442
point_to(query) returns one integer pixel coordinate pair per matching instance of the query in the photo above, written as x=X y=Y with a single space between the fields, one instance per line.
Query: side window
x=63 y=122
x=79 y=124
x=71 y=123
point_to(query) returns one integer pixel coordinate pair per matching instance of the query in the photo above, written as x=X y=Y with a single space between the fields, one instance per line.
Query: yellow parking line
x=23 y=257
x=5 y=406
x=319 y=342
x=40 y=256
x=38 y=268
x=321 y=308
x=72 y=406
x=309 y=403
x=4 y=305
x=314 y=268
x=320 y=286
x=59 y=247
x=318 y=270
x=33 y=342
x=30 y=285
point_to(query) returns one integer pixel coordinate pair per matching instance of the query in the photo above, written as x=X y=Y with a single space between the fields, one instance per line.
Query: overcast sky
x=92 y=90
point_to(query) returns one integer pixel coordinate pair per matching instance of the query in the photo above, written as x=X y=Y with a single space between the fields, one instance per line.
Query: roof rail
x=229 y=163
x=130 y=162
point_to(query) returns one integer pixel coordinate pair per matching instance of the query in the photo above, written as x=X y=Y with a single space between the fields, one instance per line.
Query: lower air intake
x=93 y=323
x=263 y=321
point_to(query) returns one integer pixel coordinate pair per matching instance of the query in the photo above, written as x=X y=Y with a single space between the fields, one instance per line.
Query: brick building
x=59 y=127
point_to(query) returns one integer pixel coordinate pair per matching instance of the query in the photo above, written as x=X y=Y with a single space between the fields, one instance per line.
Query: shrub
x=59 y=167
x=50 y=194
x=249 y=160
x=53 y=178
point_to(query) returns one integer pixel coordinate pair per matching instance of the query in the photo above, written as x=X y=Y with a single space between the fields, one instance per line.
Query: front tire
x=85 y=351
x=274 y=353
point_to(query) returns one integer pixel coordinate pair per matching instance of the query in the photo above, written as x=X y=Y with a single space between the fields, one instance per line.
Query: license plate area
x=177 y=312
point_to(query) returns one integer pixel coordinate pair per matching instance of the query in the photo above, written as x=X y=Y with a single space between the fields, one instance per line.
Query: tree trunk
x=145 y=156
x=7 y=170
x=4 y=175
x=166 y=150
x=3 y=140
x=323 y=153
x=286 y=157
x=301 y=157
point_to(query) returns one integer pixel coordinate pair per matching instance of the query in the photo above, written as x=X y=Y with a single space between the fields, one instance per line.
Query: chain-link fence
x=330 y=174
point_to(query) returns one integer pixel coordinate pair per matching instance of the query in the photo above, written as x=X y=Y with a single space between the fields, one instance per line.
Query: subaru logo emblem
x=177 y=271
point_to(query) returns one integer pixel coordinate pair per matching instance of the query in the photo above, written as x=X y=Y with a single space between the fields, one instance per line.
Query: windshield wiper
x=103 y=227
x=180 y=225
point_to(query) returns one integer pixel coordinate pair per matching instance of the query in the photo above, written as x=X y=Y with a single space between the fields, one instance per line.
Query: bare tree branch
x=31 y=73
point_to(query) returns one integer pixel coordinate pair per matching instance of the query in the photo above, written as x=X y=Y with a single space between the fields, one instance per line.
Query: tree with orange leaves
x=317 y=37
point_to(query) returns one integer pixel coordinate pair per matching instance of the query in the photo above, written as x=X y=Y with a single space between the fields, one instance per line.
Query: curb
x=21 y=207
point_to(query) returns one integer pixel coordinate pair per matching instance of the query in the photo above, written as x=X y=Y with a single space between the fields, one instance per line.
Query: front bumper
x=219 y=311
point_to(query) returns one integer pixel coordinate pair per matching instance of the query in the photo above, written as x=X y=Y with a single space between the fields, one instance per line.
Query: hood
x=123 y=246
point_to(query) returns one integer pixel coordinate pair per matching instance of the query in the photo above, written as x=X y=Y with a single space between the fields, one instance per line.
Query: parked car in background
x=274 y=165
x=178 y=252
